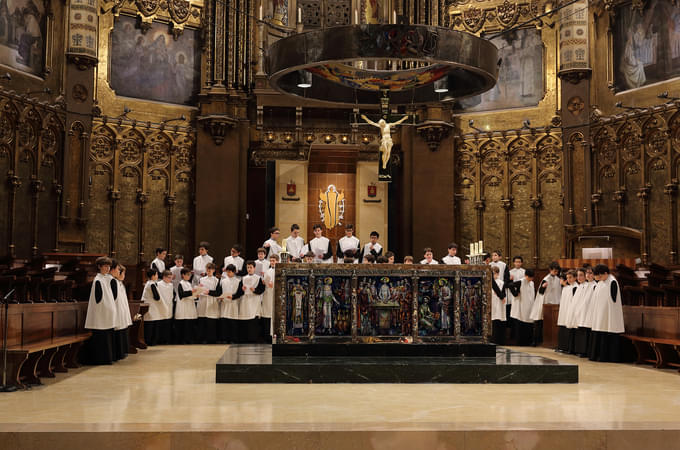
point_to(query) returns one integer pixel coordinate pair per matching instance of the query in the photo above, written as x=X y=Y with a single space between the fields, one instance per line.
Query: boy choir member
x=272 y=245
x=262 y=262
x=390 y=257
x=251 y=303
x=309 y=257
x=523 y=291
x=408 y=259
x=348 y=244
x=321 y=247
x=295 y=243
x=159 y=262
x=156 y=312
x=583 y=315
x=569 y=288
x=571 y=321
x=514 y=274
x=166 y=290
x=551 y=292
x=177 y=271
x=502 y=267
x=102 y=315
x=368 y=259
x=382 y=259
x=200 y=262
x=266 y=325
x=235 y=259
x=428 y=257
x=451 y=258
x=185 y=313
x=372 y=247
x=607 y=318
x=498 y=313
x=124 y=320
x=208 y=310
x=232 y=292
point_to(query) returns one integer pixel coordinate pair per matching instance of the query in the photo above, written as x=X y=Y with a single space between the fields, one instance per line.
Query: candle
x=480 y=247
x=299 y=15
x=260 y=12
x=473 y=250
x=356 y=17
x=394 y=16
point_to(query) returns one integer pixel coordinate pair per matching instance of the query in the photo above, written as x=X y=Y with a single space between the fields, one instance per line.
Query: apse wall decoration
x=22 y=35
x=520 y=78
x=646 y=44
x=152 y=65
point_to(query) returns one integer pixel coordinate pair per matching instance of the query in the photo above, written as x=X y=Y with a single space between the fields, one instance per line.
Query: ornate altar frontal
x=358 y=303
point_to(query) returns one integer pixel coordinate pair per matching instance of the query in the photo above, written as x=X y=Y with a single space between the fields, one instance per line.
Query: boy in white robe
x=200 y=263
x=208 y=306
x=295 y=243
x=262 y=263
x=372 y=247
x=428 y=257
x=348 y=245
x=390 y=257
x=321 y=246
x=230 y=297
x=584 y=315
x=251 y=304
x=101 y=316
x=550 y=292
x=185 y=313
x=571 y=321
x=237 y=260
x=167 y=293
x=607 y=322
x=159 y=262
x=524 y=293
x=271 y=245
x=124 y=318
x=266 y=322
x=514 y=274
x=177 y=270
x=451 y=258
x=156 y=312
x=498 y=313
x=569 y=288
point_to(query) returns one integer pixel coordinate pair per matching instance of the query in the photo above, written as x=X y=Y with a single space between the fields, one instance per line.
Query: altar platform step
x=257 y=364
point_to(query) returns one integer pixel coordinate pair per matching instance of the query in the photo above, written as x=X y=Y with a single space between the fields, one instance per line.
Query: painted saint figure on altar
x=385 y=136
x=298 y=309
x=325 y=294
x=444 y=302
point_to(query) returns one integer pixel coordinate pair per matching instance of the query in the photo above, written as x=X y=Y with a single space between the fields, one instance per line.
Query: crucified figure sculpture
x=386 y=138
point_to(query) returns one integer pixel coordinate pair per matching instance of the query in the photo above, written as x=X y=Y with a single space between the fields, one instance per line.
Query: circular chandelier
x=360 y=64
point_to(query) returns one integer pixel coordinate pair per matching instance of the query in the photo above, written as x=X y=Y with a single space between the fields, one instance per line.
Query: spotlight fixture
x=471 y=124
x=622 y=106
x=665 y=95
x=304 y=79
x=344 y=139
x=7 y=76
x=526 y=124
x=441 y=86
x=310 y=138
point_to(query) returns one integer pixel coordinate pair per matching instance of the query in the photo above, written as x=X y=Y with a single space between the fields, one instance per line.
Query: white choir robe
x=294 y=246
x=159 y=265
x=268 y=298
x=251 y=303
x=565 y=304
x=208 y=306
x=199 y=267
x=102 y=315
x=124 y=318
x=230 y=306
x=273 y=249
x=584 y=316
x=577 y=305
x=453 y=261
x=345 y=244
x=607 y=311
x=321 y=246
x=236 y=261
x=553 y=293
x=167 y=292
x=424 y=261
x=186 y=308
x=526 y=302
x=157 y=308
x=376 y=251
x=497 y=305
x=261 y=267
x=176 y=276
x=517 y=275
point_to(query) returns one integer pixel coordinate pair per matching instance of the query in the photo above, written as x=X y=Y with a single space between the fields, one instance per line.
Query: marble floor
x=153 y=399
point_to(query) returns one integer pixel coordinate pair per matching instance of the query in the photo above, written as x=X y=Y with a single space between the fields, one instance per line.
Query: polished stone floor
x=152 y=399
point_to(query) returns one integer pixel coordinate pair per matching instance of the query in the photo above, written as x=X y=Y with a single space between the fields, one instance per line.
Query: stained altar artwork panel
x=153 y=65
x=297 y=306
x=385 y=306
x=436 y=305
x=22 y=35
x=520 y=78
x=333 y=306
x=471 y=306
x=646 y=44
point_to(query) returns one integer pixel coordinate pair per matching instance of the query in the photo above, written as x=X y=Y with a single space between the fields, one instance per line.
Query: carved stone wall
x=141 y=191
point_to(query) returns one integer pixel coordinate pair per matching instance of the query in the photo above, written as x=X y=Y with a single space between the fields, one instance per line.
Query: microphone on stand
x=5 y=387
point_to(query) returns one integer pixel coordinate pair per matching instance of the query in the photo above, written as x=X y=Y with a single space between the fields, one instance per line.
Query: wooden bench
x=662 y=352
x=26 y=364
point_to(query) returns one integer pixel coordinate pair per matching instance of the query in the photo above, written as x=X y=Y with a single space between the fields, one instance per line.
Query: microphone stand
x=5 y=387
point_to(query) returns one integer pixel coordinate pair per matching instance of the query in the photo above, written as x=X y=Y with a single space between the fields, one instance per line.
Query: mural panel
x=385 y=306
x=333 y=306
x=436 y=306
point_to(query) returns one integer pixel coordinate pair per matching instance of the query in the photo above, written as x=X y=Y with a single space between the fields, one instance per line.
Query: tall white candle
x=481 y=248
x=356 y=17
x=260 y=16
x=473 y=251
x=394 y=16
x=299 y=15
